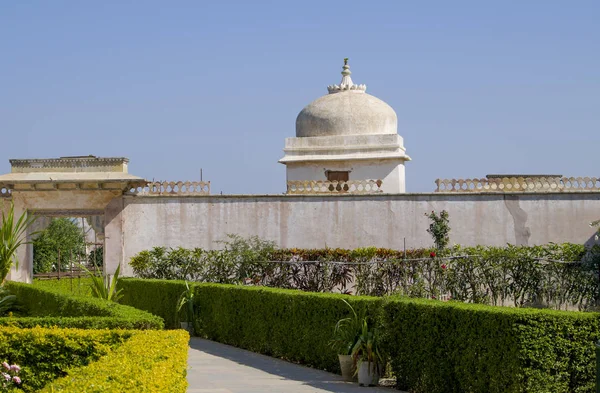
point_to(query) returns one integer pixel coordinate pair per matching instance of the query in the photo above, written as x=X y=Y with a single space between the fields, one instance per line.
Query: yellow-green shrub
x=149 y=361
x=75 y=360
x=47 y=353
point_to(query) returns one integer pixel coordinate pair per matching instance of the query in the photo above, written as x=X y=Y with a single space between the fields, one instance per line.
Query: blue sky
x=479 y=86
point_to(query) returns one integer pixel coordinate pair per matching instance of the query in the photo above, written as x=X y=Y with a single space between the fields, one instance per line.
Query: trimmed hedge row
x=45 y=354
x=433 y=346
x=454 y=347
x=46 y=307
x=73 y=286
x=149 y=361
x=74 y=360
x=158 y=297
x=284 y=323
x=451 y=346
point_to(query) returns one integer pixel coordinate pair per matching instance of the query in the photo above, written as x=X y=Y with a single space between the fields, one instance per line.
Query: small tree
x=13 y=234
x=62 y=235
x=439 y=228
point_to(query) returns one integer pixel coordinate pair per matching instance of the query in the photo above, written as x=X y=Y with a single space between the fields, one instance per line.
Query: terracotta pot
x=347 y=366
x=368 y=374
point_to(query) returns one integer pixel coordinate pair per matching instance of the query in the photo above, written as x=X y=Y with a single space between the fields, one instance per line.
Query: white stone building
x=347 y=164
x=347 y=140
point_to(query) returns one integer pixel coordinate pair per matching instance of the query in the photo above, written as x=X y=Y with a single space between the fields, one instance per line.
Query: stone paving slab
x=219 y=368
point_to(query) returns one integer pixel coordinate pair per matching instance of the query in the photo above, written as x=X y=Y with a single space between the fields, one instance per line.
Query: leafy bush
x=149 y=361
x=232 y=264
x=440 y=347
x=62 y=236
x=46 y=308
x=517 y=275
x=45 y=354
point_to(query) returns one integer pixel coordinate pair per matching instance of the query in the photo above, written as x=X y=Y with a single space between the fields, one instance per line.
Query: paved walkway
x=219 y=368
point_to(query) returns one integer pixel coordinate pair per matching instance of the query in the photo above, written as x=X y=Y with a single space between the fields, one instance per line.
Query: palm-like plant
x=103 y=287
x=346 y=332
x=366 y=348
x=13 y=234
x=186 y=299
x=7 y=302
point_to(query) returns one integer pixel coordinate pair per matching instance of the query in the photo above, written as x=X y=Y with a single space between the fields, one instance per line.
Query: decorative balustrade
x=334 y=187
x=172 y=188
x=519 y=184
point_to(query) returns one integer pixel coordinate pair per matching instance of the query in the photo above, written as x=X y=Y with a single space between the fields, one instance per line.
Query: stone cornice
x=68 y=161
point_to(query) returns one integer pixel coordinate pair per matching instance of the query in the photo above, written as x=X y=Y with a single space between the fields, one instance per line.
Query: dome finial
x=346 y=83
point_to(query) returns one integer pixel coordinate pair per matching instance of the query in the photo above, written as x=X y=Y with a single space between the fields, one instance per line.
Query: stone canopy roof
x=70 y=172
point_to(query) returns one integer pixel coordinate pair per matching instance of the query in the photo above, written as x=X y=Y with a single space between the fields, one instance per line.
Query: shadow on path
x=229 y=369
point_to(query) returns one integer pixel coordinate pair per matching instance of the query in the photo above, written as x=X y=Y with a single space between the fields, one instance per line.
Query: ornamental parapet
x=172 y=188
x=334 y=187
x=519 y=184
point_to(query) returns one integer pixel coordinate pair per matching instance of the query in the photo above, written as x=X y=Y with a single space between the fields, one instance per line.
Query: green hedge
x=434 y=346
x=149 y=361
x=45 y=354
x=76 y=286
x=454 y=347
x=45 y=307
x=288 y=324
x=158 y=297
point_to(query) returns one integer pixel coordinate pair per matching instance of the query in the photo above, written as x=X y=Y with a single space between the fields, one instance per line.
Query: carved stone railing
x=334 y=187
x=519 y=184
x=172 y=188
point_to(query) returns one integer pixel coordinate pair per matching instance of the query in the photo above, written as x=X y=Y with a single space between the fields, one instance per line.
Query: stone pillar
x=113 y=237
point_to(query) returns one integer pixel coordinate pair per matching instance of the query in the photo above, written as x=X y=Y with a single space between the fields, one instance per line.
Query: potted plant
x=186 y=299
x=367 y=355
x=345 y=335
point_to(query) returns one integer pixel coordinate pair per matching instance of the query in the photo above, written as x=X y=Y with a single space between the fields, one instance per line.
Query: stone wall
x=136 y=223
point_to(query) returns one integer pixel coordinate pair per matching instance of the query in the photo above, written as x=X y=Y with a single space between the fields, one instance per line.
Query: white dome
x=346 y=110
x=346 y=113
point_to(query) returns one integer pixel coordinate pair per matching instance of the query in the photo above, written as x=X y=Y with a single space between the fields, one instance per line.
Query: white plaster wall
x=390 y=172
x=350 y=221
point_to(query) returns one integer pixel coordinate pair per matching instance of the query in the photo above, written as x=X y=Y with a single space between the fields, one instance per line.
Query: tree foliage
x=62 y=235
x=439 y=228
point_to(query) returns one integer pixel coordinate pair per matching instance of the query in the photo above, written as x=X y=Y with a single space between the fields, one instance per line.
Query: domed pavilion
x=346 y=141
